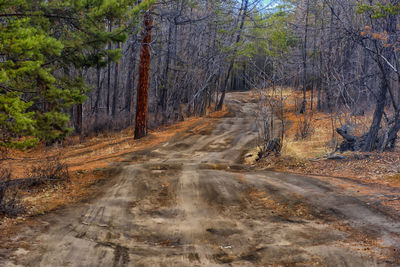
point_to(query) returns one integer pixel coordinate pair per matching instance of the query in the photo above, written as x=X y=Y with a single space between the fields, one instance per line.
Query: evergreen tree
x=43 y=47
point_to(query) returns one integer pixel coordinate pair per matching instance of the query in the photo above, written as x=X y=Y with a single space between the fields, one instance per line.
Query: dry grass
x=309 y=155
x=301 y=143
x=323 y=138
x=317 y=144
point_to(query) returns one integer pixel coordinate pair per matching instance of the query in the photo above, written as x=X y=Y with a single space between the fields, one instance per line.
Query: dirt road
x=189 y=202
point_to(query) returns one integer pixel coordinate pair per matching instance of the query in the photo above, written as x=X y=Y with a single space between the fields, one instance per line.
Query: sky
x=270 y=4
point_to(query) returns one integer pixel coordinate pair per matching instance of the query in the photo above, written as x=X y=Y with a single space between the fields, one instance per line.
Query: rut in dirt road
x=190 y=203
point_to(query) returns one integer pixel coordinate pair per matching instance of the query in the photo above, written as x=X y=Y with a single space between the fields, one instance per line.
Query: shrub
x=49 y=171
x=304 y=128
x=9 y=202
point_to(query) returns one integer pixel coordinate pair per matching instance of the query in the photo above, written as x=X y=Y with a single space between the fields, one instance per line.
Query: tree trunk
x=98 y=96
x=313 y=58
x=165 y=78
x=372 y=136
x=372 y=140
x=328 y=87
x=79 y=119
x=116 y=86
x=131 y=87
x=79 y=115
x=245 y=4
x=143 y=85
x=109 y=74
x=392 y=135
x=304 y=104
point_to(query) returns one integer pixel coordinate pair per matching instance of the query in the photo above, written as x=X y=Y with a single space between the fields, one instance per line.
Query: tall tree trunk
x=143 y=85
x=165 y=77
x=372 y=137
x=313 y=58
x=109 y=74
x=116 y=85
x=387 y=53
x=79 y=119
x=98 y=96
x=328 y=87
x=131 y=86
x=304 y=104
x=79 y=114
x=245 y=4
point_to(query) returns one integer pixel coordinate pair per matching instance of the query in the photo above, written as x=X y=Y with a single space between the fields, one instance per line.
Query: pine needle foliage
x=45 y=46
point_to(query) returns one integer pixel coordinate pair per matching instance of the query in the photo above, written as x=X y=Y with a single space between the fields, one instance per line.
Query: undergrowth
x=48 y=172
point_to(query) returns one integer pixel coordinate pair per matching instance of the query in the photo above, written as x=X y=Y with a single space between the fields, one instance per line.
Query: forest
x=190 y=99
x=91 y=66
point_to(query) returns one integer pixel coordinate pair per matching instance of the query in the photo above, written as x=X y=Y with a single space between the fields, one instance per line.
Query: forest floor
x=183 y=197
x=311 y=155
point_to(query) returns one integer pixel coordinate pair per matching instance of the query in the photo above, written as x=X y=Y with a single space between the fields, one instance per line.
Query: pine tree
x=43 y=47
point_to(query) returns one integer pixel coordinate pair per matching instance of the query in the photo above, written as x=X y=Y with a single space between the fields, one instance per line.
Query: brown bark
x=143 y=85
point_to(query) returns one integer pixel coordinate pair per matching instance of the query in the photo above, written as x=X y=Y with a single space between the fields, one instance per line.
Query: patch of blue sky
x=271 y=5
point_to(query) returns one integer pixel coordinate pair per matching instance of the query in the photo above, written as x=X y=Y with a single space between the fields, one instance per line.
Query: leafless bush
x=9 y=202
x=270 y=115
x=305 y=128
x=49 y=171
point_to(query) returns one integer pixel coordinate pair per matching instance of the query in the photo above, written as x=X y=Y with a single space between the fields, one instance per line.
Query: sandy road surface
x=189 y=203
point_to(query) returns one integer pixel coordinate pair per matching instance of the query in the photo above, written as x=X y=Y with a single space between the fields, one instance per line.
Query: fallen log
x=351 y=142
